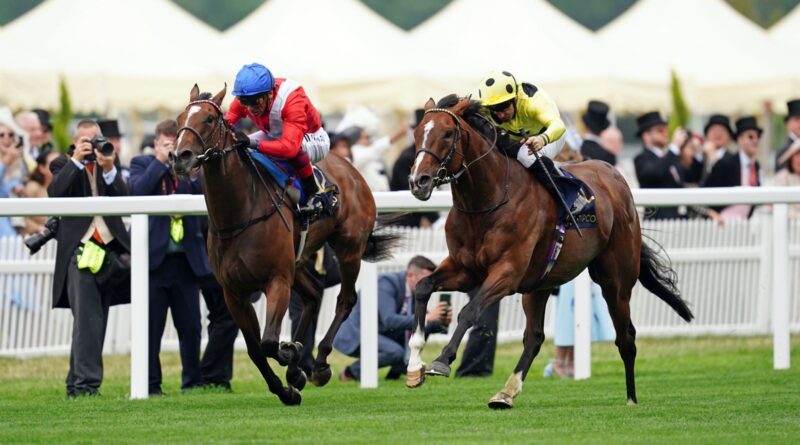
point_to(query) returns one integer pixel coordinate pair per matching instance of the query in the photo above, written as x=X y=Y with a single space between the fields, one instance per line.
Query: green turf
x=707 y=390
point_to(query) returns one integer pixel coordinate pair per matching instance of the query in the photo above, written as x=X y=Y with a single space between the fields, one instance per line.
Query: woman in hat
x=790 y=175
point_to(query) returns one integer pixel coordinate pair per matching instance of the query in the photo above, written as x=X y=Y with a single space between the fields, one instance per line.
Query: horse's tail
x=657 y=276
x=382 y=240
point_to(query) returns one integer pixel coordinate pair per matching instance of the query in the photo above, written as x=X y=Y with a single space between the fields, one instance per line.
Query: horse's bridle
x=220 y=131
x=211 y=152
x=444 y=176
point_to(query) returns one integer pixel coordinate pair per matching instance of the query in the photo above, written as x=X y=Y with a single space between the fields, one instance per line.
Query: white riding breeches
x=316 y=145
x=550 y=150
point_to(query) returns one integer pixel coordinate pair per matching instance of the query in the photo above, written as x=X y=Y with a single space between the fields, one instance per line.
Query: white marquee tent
x=113 y=54
x=725 y=62
x=530 y=38
x=341 y=50
x=787 y=34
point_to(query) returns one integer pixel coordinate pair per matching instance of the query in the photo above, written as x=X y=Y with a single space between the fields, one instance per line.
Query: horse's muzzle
x=421 y=186
x=182 y=161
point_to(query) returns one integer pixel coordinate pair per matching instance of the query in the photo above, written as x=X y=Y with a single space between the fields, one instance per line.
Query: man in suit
x=719 y=135
x=657 y=166
x=399 y=181
x=178 y=260
x=738 y=169
x=596 y=121
x=792 y=128
x=85 y=245
x=395 y=318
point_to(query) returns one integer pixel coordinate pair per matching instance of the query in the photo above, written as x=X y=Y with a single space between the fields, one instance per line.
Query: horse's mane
x=204 y=96
x=474 y=116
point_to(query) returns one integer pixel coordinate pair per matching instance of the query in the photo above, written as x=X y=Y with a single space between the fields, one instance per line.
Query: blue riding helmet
x=252 y=79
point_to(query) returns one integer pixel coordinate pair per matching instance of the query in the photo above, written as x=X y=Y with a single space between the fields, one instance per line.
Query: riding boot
x=310 y=188
x=538 y=170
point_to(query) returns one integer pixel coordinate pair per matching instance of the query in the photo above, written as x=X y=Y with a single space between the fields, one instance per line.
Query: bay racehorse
x=254 y=233
x=501 y=229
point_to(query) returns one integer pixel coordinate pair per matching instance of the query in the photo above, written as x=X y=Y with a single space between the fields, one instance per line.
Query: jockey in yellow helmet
x=515 y=107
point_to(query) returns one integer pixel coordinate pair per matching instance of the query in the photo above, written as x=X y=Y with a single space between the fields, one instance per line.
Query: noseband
x=443 y=175
x=220 y=131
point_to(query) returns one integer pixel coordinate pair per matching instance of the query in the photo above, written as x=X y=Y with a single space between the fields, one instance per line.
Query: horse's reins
x=444 y=176
x=212 y=152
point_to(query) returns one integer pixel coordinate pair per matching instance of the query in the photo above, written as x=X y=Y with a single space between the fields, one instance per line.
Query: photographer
x=91 y=271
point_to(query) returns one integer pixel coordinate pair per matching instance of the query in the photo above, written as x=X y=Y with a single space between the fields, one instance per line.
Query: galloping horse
x=501 y=229
x=254 y=233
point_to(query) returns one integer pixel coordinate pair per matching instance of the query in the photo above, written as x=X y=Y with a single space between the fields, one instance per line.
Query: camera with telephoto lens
x=37 y=240
x=99 y=143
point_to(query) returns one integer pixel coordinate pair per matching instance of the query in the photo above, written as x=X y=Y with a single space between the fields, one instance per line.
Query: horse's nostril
x=424 y=181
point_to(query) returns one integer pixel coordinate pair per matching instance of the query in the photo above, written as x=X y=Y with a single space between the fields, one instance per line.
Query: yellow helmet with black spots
x=497 y=87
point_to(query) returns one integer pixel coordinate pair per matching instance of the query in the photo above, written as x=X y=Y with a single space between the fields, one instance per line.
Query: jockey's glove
x=242 y=140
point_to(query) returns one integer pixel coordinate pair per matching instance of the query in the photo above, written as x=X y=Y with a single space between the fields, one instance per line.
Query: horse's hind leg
x=310 y=292
x=245 y=316
x=447 y=276
x=616 y=281
x=349 y=266
x=533 y=304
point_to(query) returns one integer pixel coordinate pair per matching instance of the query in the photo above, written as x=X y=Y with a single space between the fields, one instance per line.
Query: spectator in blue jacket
x=178 y=260
x=395 y=319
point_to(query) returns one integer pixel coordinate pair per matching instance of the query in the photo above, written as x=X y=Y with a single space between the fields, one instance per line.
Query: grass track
x=706 y=390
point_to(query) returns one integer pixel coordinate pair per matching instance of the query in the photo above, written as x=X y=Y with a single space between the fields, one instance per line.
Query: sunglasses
x=503 y=106
x=11 y=134
x=250 y=101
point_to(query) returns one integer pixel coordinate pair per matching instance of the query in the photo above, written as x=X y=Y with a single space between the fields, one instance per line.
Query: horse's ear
x=461 y=106
x=194 y=93
x=429 y=104
x=221 y=95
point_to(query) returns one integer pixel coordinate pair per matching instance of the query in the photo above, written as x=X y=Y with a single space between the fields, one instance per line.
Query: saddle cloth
x=285 y=176
x=571 y=188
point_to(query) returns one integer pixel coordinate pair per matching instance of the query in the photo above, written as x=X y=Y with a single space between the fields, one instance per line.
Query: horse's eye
x=210 y=119
x=448 y=134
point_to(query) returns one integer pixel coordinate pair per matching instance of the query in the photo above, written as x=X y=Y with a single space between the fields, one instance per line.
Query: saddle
x=286 y=178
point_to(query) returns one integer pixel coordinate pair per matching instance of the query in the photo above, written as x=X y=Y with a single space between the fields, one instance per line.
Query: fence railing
x=736 y=279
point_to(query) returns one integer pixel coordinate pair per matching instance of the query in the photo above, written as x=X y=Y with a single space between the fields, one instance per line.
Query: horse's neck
x=483 y=184
x=228 y=190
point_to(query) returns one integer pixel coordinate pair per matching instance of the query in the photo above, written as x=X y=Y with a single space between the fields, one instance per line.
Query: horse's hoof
x=296 y=377
x=415 y=379
x=632 y=402
x=439 y=368
x=321 y=376
x=288 y=353
x=292 y=397
x=501 y=400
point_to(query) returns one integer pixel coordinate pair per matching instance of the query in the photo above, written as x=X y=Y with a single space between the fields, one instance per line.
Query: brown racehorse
x=254 y=233
x=500 y=231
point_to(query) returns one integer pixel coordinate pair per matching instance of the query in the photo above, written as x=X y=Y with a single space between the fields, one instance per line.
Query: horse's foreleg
x=447 y=276
x=496 y=286
x=349 y=266
x=533 y=305
x=277 y=293
x=245 y=316
x=311 y=295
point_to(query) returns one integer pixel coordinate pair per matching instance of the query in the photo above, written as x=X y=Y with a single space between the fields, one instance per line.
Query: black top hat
x=648 y=121
x=719 y=119
x=794 y=108
x=109 y=128
x=596 y=116
x=747 y=123
x=44 y=119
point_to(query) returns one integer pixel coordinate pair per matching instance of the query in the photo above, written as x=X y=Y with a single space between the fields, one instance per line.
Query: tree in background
x=61 y=120
x=680 y=112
